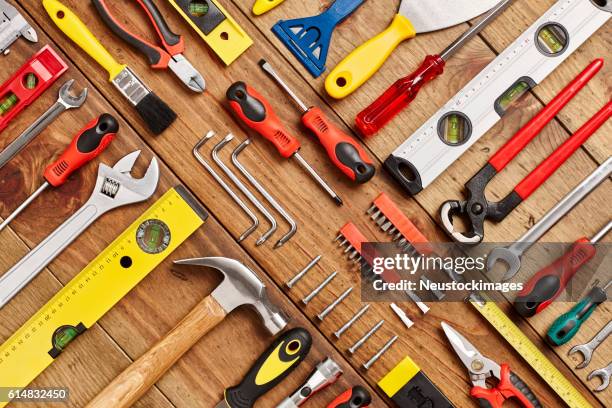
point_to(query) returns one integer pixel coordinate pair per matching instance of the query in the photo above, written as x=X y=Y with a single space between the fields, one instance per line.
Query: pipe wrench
x=115 y=187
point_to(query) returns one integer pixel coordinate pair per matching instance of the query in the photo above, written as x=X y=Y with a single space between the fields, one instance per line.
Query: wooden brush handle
x=130 y=385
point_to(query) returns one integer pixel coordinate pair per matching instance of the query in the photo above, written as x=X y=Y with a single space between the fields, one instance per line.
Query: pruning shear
x=510 y=386
x=168 y=55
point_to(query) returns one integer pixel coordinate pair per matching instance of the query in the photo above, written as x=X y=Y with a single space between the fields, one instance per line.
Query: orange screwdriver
x=85 y=146
x=255 y=111
x=343 y=150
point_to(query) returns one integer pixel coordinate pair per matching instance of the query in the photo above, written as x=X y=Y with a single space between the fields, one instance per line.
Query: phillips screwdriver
x=404 y=90
x=546 y=285
x=343 y=150
x=568 y=324
x=255 y=111
x=85 y=146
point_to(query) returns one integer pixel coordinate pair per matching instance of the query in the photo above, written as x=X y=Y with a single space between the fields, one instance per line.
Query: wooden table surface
x=221 y=358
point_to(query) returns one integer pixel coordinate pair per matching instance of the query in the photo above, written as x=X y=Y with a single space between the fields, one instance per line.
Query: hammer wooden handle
x=132 y=384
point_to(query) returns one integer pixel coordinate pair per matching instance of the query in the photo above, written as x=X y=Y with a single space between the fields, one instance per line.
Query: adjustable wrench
x=115 y=187
x=64 y=102
x=587 y=349
x=511 y=255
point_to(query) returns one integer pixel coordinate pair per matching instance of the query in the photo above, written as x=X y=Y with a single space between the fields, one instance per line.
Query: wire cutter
x=168 y=55
x=509 y=385
x=476 y=209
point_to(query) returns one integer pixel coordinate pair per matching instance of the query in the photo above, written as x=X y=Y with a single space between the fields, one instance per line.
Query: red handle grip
x=398 y=96
x=92 y=140
x=255 y=111
x=541 y=173
x=537 y=123
x=548 y=283
x=356 y=397
x=509 y=387
x=343 y=150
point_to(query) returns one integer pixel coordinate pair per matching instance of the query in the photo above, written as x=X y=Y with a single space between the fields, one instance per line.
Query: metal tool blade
x=187 y=73
x=463 y=348
x=432 y=15
x=222 y=404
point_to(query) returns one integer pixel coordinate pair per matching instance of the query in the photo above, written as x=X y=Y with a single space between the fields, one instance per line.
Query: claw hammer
x=240 y=286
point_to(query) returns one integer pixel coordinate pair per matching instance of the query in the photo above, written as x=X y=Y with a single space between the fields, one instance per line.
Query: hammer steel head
x=67 y=99
x=241 y=286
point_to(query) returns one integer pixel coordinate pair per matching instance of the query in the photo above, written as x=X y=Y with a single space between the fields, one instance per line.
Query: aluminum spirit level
x=418 y=161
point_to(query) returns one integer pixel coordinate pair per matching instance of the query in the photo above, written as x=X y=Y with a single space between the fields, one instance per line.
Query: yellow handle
x=78 y=32
x=354 y=70
x=263 y=6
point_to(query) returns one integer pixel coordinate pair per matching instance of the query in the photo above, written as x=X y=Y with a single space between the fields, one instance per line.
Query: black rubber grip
x=90 y=139
x=151 y=52
x=252 y=108
x=350 y=157
x=164 y=30
x=543 y=290
x=274 y=365
x=405 y=173
x=525 y=390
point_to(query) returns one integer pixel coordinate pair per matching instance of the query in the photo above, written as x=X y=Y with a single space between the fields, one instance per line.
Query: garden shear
x=510 y=386
x=168 y=55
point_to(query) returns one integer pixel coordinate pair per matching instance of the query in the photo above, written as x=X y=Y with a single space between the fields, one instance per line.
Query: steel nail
x=365 y=337
x=379 y=354
x=319 y=288
x=303 y=272
x=351 y=321
x=334 y=304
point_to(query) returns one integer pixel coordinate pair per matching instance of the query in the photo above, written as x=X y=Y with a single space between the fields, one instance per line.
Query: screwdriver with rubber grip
x=546 y=285
x=343 y=150
x=88 y=144
x=567 y=325
x=356 y=397
x=256 y=112
x=273 y=366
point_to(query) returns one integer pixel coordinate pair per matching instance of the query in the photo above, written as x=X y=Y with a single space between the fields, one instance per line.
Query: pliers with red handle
x=476 y=209
x=509 y=385
x=168 y=55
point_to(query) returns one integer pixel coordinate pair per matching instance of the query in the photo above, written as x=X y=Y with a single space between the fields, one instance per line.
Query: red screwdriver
x=404 y=90
x=343 y=150
x=546 y=285
x=85 y=146
x=255 y=111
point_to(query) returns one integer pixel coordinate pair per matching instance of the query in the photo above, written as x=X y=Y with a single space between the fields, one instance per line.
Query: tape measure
x=472 y=112
x=529 y=351
x=99 y=286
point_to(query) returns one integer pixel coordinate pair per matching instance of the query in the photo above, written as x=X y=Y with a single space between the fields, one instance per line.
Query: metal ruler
x=529 y=351
x=452 y=130
x=99 y=286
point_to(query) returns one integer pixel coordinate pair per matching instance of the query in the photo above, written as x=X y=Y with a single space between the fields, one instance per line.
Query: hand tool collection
x=473 y=111
x=411 y=19
x=415 y=164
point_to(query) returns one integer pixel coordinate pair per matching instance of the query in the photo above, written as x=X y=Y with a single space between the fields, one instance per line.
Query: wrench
x=115 y=187
x=64 y=102
x=511 y=255
x=587 y=349
x=604 y=375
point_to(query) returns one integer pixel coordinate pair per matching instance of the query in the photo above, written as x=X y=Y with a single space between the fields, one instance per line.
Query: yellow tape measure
x=220 y=31
x=98 y=287
x=529 y=351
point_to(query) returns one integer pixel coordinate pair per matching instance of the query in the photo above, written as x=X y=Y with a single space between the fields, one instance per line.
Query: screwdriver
x=356 y=397
x=404 y=90
x=546 y=285
x=343 y=150
x=255 y=111
x=568 y=324
x=85 y=146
